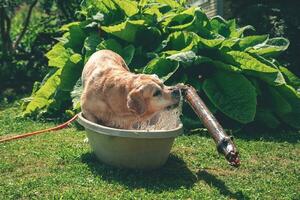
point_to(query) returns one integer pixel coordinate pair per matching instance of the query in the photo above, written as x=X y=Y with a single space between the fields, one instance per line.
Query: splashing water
x=167 y=119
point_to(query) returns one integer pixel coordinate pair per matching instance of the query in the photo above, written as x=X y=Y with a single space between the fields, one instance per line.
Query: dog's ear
x=135 y=102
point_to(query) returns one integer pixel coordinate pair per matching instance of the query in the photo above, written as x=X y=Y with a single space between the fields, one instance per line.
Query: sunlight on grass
x=60 y=165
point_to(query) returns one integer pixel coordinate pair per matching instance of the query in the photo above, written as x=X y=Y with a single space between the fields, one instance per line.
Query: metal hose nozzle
x=224 y=143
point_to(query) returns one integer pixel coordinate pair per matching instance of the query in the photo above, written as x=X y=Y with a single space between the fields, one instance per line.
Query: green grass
x=60 y=165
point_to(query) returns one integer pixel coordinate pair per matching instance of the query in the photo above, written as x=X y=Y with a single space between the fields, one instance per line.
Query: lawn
x=60 y=165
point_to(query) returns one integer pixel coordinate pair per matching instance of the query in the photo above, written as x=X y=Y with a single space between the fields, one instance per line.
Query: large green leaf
x=220 y=26
x=149 y=38
x=91 y=43
x=114 y=11
x=220 y=65
x=171 y=3
x=227 y=29
x=126 y=30
x=254 y=67
x=179 y=42
x=236 y=32
x=110 y=44
x=162 y=67
x=174 y=21
x=292 y=119
x=291 y=78
x=129 y=7
x=57 y=88
x=76 y=94
x=58 y=56
x=128 y=53
x=76 y=36
x=62 y=97
x=277 y=102
x=271 y=47
x=142 y=3
x=240 y=31
x=204 y=43
x=192 y=19
x=293 y=97
x=154 y=11
x=229 y=43
x=42 y=98
x=189 y=58
x=71 y=72
x=266 y=118
x=250 y=41
x=232 y=94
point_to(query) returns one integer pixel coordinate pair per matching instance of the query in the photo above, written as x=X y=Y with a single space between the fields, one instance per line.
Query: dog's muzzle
x=175 y=94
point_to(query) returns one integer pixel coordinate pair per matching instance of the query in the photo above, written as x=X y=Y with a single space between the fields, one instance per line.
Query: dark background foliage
x=29 y=28
x=276 y=17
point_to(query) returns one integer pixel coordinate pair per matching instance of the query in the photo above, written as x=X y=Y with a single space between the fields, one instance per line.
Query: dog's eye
x=157 y=93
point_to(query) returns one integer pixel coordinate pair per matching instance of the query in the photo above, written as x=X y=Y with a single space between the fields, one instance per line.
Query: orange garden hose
x=61 y=126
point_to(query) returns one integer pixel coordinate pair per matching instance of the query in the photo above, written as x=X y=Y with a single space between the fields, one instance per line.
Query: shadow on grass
x=173 y=175
x=211 y=180
x=272 y=135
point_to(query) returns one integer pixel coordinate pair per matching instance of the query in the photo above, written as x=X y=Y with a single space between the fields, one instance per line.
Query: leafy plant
x=240 y=77
x=278 y=18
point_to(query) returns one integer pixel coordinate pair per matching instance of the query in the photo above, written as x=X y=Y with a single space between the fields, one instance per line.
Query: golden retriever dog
x=115 y=97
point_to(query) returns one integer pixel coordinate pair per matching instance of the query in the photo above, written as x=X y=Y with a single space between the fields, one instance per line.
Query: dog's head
x=150 y=96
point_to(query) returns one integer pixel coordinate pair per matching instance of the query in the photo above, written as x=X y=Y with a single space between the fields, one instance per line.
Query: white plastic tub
x=136 y=149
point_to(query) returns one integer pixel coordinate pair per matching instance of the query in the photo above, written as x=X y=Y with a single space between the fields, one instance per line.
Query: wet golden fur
x=115 y=97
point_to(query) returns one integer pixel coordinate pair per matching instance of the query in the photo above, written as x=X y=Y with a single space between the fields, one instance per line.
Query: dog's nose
x=175 y=93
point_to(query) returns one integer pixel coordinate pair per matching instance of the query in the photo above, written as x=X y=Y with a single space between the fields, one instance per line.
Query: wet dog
x=115 y=97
